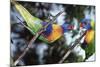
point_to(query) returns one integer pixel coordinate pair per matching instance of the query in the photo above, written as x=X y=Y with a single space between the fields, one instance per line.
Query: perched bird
x=88 y=24
x=34 y=25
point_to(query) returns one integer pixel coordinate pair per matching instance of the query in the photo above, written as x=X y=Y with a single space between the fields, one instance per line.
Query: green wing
x=33 y=23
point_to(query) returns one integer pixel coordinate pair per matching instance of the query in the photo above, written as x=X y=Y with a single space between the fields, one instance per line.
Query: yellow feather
x=89 y=36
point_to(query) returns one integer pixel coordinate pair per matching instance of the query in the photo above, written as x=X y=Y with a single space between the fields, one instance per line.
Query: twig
x=65 y=56
x=25 y=51
x=71 y=48
x=34 y=38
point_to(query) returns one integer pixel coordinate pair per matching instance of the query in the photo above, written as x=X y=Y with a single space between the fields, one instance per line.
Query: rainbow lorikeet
x=86 y=24
x=34 y=24
x=88 y=44
x=89 y=41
